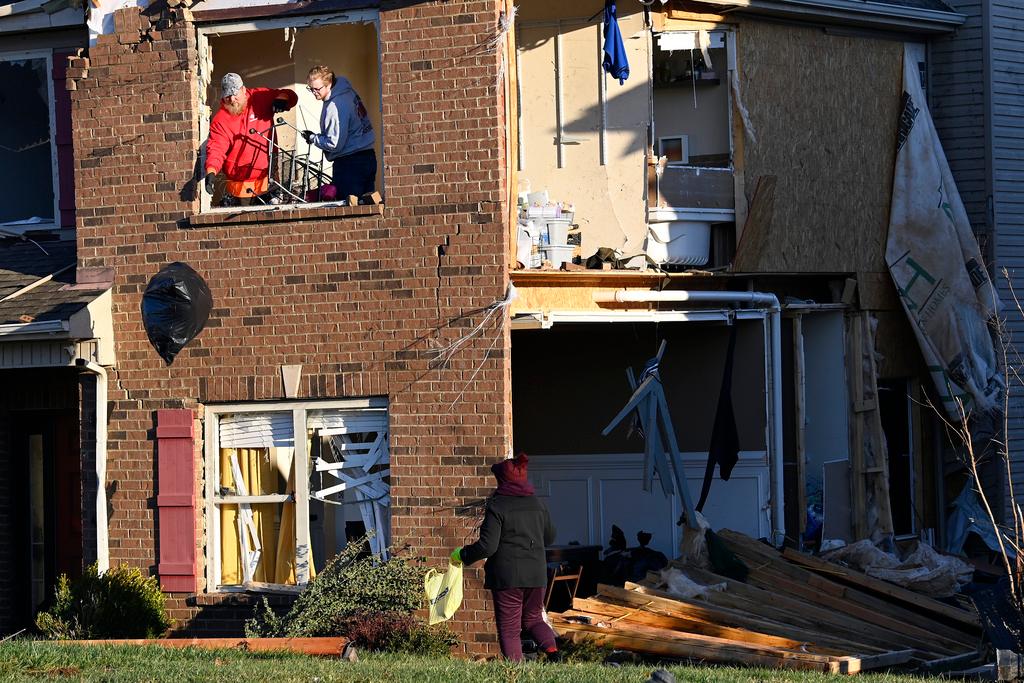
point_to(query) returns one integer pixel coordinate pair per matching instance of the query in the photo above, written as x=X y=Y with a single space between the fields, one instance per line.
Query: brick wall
x=358 y=300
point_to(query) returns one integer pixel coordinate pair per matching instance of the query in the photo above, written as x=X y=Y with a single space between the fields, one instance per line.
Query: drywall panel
x=824 y=111
x=602 y=125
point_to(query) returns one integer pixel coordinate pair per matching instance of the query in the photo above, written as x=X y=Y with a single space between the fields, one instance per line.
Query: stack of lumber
x=794 y=611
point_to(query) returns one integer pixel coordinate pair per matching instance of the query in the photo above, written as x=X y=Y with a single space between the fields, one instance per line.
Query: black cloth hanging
x=724 y=449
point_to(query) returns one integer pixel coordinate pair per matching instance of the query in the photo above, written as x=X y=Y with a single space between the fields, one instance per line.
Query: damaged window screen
x=26 y=159
x=278 y=164
x=691 y=99
x=280 y=512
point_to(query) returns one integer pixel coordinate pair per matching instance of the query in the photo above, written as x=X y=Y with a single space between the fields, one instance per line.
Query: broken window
x=281 y=510
x=27 y=146
x=278 y=54
x=691 y=99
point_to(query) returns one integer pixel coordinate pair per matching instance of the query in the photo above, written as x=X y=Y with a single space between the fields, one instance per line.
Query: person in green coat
x=515 y=531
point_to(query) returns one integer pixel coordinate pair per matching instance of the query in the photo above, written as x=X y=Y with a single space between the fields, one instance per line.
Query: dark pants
x=355 y=174
x=517 y=610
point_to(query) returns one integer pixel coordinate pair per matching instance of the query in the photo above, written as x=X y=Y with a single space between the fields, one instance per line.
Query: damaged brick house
x=389 y=331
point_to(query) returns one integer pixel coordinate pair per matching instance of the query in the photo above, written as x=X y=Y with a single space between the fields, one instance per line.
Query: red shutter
x=65 y=150
x=176 y=501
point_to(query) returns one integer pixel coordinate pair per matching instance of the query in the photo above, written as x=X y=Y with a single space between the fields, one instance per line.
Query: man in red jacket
x=232 y=148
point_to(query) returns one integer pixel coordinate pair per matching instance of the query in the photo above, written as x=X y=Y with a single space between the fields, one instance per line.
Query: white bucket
x=558 y=231
x=557 y=254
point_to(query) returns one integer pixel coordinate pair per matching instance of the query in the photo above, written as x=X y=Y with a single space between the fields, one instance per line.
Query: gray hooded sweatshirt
x=346 y=128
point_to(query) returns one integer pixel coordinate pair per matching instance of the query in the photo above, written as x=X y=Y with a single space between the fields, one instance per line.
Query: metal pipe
x=774 y=374
x=102 y=542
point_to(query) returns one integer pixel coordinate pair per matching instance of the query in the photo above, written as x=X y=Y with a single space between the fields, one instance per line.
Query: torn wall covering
x=936 y=264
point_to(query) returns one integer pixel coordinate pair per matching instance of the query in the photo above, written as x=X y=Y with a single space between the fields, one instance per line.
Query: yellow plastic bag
x=444 y=592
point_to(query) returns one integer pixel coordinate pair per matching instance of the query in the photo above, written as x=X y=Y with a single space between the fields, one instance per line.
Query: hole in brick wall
x=300 y=170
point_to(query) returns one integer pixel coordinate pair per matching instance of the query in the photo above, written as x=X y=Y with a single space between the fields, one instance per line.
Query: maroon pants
x=517 y=610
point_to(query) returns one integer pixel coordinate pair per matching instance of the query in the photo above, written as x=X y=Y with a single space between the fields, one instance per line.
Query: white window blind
x=351 y=421
x=257 y=430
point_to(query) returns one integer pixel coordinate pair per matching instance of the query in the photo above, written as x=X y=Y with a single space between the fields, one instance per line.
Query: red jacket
x=241 y=155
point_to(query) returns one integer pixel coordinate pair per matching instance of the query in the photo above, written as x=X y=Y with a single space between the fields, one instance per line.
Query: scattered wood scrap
x=324 y=646
x=794 y=612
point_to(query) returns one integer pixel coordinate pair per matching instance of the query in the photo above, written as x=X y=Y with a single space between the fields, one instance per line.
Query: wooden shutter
x=176 y=502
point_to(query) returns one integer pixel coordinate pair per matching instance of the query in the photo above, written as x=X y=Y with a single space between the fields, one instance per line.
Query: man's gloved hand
x=279 y=106
x=457 y=556
x=210 y=177
x=307 y=135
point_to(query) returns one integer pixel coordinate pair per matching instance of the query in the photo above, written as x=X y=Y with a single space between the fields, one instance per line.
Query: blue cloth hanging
x=615 y=62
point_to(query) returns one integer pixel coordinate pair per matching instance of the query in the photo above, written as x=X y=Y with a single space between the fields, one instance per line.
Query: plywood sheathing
x=825 y=109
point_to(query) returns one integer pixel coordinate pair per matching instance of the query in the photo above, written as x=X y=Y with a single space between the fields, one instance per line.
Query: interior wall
x=609 y=198
x=566 y=388
x=824 y=109
x=270 y=59
x=827 y=400
x=707 y=122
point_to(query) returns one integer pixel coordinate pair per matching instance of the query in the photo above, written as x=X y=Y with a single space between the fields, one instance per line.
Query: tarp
x=935 y=262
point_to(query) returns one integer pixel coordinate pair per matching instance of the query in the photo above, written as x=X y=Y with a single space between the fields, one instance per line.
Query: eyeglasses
x=316 y=90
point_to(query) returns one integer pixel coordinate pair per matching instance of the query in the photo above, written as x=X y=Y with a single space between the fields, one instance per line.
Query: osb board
x=898 y=352
x=824 y=112
x=532 y=299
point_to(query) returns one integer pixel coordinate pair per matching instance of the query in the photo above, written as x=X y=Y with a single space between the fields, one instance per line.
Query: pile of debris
x=794 y=611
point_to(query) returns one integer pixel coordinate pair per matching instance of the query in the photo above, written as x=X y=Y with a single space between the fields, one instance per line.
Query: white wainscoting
x=586 y=494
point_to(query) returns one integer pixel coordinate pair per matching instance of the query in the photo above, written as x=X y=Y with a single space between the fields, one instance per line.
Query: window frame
x=301 y=496
x=205 y=31
x=47 y=54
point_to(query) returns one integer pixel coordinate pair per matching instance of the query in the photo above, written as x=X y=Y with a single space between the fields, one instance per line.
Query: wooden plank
x=921 y=623
x=777 y=574
x=639 y=615
x=790 y=617
x=827 y=621
x=758 y=226
x=724 y=644
x=324 y=646
x=833 y=570
x=857 y=664
x=676 y=648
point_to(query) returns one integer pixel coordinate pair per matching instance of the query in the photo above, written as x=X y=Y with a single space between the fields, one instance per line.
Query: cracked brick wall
x=358 y=297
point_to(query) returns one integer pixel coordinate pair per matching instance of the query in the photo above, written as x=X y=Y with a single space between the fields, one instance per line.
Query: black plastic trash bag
x=175 y=308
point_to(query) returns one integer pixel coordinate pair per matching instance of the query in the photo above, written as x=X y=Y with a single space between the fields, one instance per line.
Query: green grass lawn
x=39 y=660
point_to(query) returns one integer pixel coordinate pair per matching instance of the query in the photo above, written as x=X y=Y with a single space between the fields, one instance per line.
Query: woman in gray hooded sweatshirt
x=347 y=137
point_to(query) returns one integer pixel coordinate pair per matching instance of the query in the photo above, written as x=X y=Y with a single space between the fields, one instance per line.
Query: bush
x=364 y=599
x=121 y=603
x=350 y=584
x=399 y=632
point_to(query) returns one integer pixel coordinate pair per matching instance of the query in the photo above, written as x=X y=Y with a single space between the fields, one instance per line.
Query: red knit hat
x=511 y=470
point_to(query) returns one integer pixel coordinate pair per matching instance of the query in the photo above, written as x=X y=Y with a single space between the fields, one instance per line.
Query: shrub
x=400 y=632
x=358 y=596
x=121 y=603
x=350 y=584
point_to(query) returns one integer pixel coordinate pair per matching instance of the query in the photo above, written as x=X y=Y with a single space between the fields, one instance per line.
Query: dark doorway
x=894 y=408
x=47 y=505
